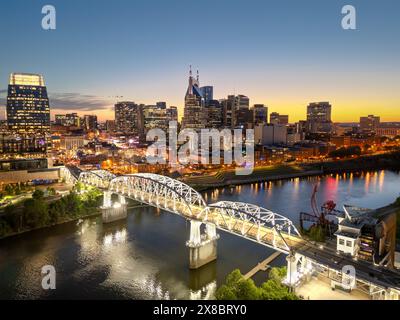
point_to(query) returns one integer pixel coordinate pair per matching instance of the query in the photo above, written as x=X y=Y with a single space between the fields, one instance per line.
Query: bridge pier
x=112 y=212
x=202 y=247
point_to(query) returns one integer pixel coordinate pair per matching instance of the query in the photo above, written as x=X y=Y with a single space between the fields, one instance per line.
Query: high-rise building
x=214 y=114
x=155 y=118
x=129 y=117
x=370 y=123
x=195 y=116
x=172 y=114
x=319 y=117
x=260 y=112
x=28 y=109
x=161 y=105
x=69 y=119
x=110 y=126
x=276 y=118
x=236 y=111
x=208 y=94
x=90 y=122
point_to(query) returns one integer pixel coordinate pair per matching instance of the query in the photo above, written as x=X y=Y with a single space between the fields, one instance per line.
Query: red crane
x=320 y=217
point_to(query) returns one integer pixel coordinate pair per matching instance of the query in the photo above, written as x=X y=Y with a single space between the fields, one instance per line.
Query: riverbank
x=38 y=212
x=86 y=216
x=389 y=161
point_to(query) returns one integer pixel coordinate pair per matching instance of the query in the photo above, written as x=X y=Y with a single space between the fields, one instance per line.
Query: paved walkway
x=316 y=289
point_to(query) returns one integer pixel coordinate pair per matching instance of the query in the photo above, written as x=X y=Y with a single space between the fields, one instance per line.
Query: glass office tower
x=28 y=109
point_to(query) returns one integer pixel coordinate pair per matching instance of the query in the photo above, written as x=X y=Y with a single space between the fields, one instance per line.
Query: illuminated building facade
x=319 y=117
x=129 y=117
x=195 y=116
x=69 y=120
x=28 y=109
x=276 y=118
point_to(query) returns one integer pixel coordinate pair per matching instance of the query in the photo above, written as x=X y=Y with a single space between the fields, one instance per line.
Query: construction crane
x=320 y=217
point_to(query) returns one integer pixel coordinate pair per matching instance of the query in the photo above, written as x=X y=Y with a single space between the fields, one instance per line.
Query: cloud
x=68 y=102
x=77 y=102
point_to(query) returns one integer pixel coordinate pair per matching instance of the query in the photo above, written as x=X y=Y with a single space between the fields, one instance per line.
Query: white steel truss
x=97 y=178
x=161 y=192
x=243 y=219
x=253 y=222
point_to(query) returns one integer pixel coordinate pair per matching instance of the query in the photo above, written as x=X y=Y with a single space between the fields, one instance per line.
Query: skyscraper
x=90 y=122
x=129 y=117
x=69 y=119
x=155 y=117
x=260 y=112
x=319 y=117
x=208 y=94
x=172 y=114
x=214 y=114
x=28 y=109
x=194 y=116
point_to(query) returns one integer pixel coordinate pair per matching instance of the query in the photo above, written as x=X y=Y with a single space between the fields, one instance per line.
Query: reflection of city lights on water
x=154 y=289
x=119 y=236
x=205 y=293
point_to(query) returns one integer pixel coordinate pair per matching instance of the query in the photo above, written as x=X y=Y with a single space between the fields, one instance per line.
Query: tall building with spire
x=195 y=115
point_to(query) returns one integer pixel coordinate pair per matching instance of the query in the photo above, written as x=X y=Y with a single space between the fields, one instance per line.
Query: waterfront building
x=28 y=109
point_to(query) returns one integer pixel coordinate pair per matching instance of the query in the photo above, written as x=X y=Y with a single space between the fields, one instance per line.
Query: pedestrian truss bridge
x=245 y=220
x=242 y=219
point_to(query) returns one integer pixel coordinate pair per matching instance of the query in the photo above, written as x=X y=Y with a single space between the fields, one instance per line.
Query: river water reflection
x=144 y=257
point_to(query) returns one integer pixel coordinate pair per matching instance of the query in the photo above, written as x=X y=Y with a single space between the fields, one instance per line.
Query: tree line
x=236 y=287
x=37 y=212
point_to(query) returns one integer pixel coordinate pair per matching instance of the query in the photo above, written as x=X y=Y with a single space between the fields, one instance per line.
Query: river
x=145 y=257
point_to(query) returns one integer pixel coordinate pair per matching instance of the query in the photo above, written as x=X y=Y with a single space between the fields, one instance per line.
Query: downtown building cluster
x=30 y=140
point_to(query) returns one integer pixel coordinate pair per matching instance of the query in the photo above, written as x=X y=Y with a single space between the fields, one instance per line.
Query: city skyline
x=283 y=67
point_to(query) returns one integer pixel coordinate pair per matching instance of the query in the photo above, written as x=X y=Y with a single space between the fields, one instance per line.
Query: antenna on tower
x=190 y=70
x=198 y=77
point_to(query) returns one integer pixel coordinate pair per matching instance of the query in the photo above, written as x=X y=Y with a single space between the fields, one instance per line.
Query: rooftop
x=27 y=79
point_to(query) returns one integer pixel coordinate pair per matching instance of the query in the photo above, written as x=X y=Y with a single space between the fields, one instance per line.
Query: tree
x=237 y=287
x=35 y=213
x=38 y=194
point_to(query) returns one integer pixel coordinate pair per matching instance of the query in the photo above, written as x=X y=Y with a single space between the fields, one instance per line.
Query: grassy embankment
x=389 y=161
x=39 y=212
